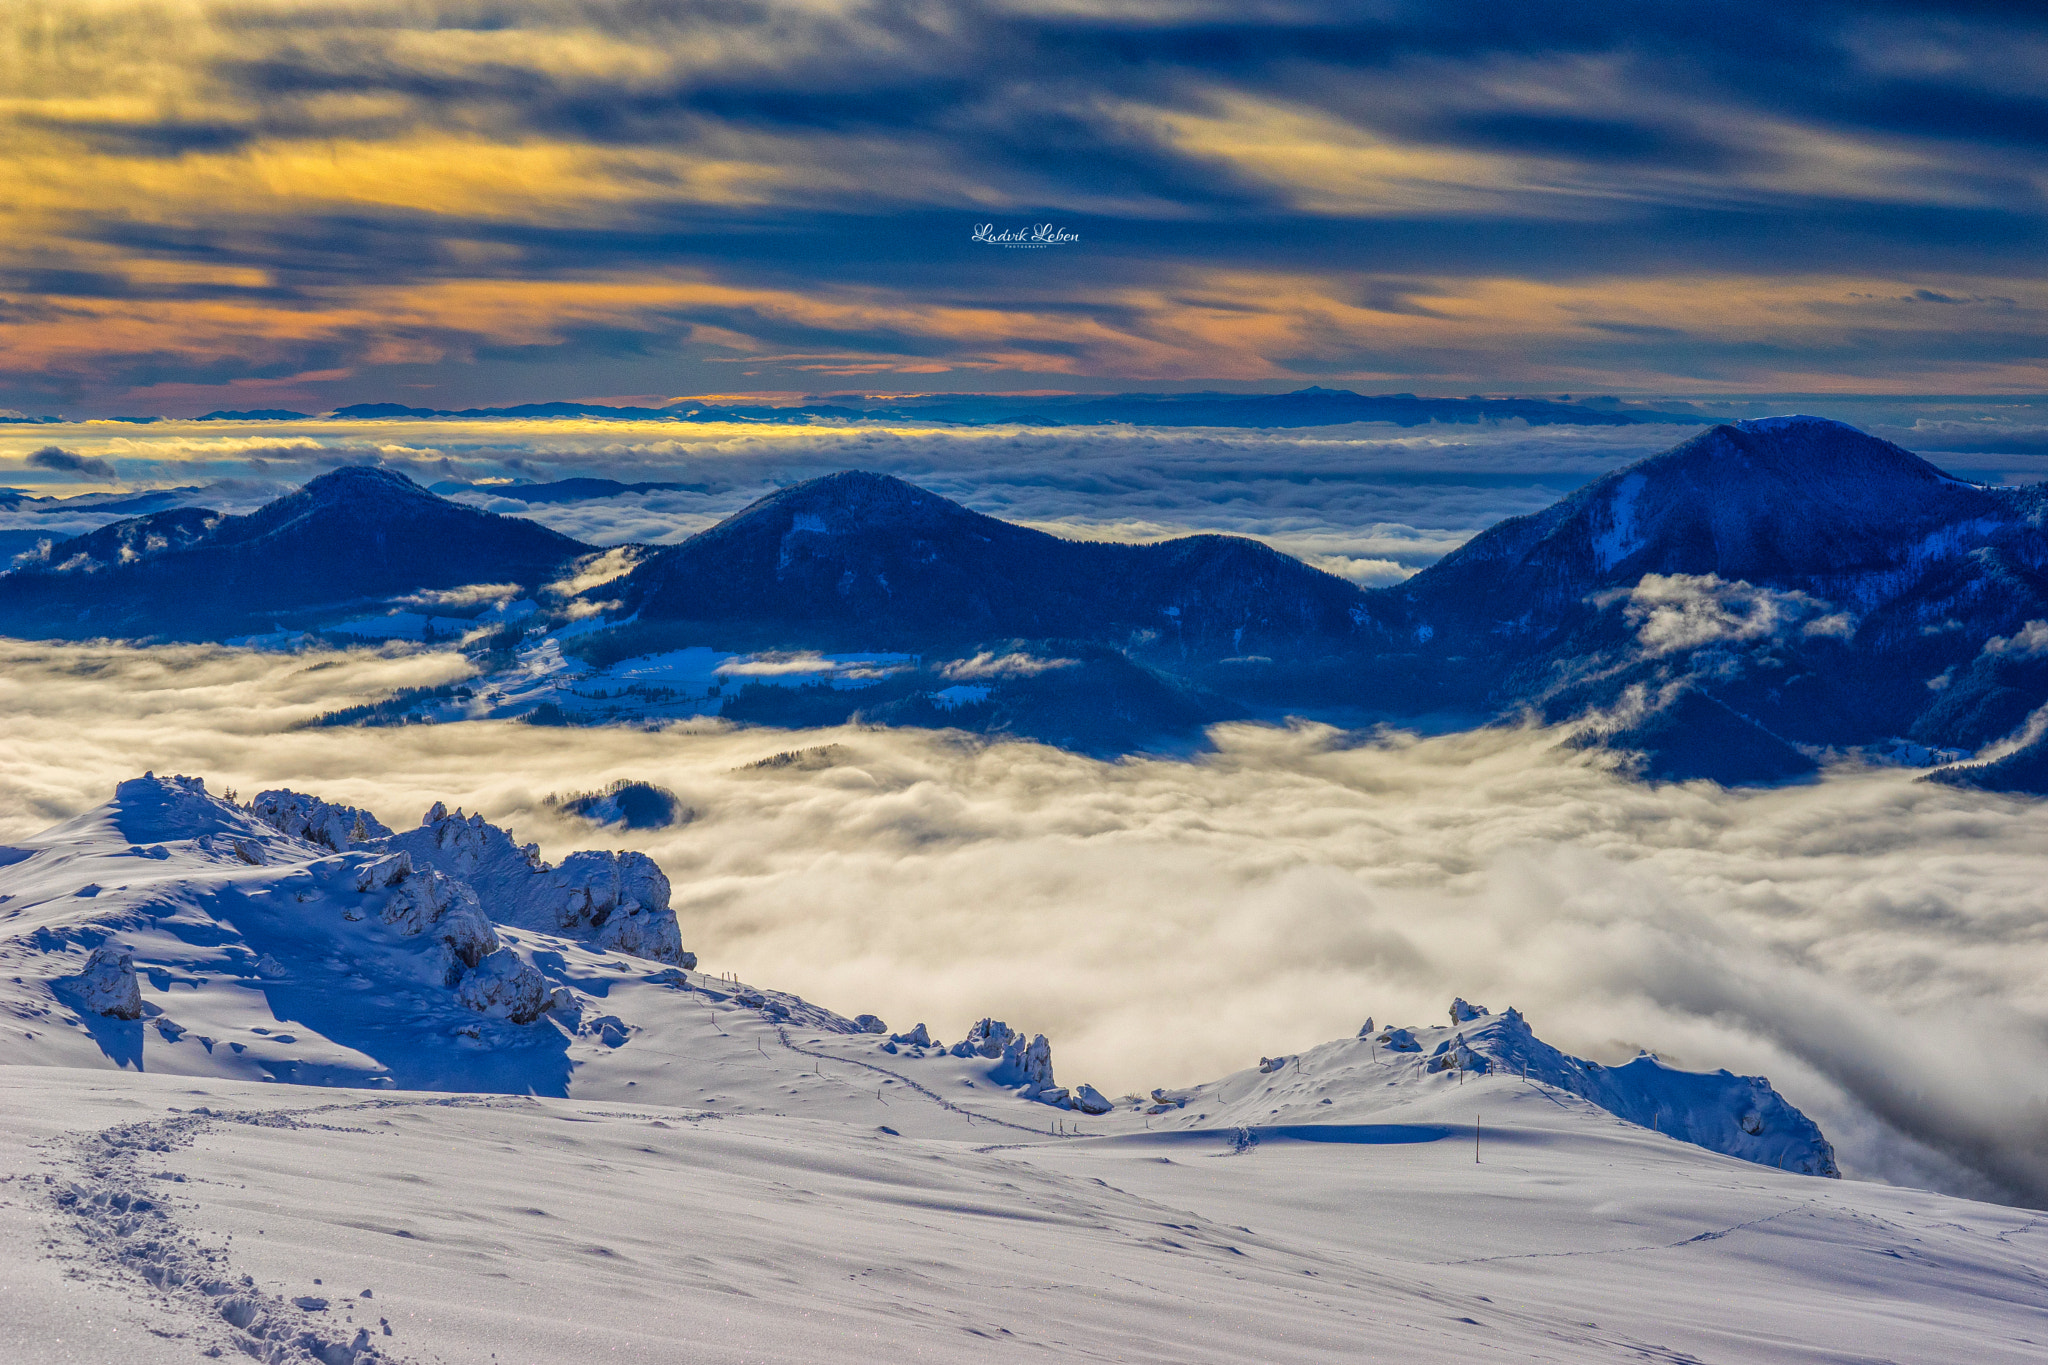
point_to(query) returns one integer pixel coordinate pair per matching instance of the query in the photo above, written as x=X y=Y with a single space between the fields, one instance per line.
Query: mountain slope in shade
x=1791 y=502
x=868 y=559
x=349 y=535
x=1826 y=588
x=2023 y=772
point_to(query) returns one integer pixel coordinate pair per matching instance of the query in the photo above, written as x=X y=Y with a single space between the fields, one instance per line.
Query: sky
x=277 y=203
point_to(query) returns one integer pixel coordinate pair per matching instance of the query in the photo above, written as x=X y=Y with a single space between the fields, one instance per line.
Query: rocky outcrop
x=418 y=901
x=1089 y=1100
x=617 y=900
x=1027 y=1065
x=505 y=986
x=108 y=986
x=917 y=1037
x=308 y=817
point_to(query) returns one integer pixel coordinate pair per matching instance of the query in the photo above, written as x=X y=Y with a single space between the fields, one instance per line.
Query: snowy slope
x=523 y=1228
x=664 y=1164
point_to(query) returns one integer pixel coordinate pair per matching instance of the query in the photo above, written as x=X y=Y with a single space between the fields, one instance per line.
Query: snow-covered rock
x=308 y=817
x=870 y=1023
x=617 y=900
x=1462 y=1013
x=917 y=1037
x=108 y=985
x=427 y=900
x=985 y=1039
x=1027 y=1065
x=1089 y=1100
x=1739 y=1115
x=504 y=985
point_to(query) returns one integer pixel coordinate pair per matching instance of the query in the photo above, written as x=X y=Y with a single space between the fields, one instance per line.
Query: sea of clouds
x=1875 y=945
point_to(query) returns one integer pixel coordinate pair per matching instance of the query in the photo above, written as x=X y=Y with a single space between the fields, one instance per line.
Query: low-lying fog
x=1877 y=946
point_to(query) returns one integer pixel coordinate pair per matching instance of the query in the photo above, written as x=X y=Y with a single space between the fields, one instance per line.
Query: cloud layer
x=1873 y=944
x=261 y=203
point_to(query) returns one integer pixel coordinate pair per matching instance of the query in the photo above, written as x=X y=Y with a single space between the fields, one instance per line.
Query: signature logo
x=1037 y=237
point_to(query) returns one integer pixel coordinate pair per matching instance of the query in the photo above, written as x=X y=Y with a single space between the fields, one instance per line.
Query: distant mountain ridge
x=1312 y=406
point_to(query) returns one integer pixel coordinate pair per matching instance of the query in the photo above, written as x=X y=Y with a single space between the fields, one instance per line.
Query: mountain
x=1735 y=608
x=151 y=500
x=353 y=534
x=1792 y=502
x=1826 y=587
x=871 y=561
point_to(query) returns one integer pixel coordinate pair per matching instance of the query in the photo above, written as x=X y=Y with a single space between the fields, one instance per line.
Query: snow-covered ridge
x=1740 y=1116
x=293 y=939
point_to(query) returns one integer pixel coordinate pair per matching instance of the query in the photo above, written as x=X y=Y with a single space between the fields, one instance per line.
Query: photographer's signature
x=1037 y=237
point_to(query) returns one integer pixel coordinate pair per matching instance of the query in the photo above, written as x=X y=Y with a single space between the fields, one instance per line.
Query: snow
x=1789 y=422
x=960 y=694
x=542 y=1228
x=446 y=1134
x=1620 y=539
